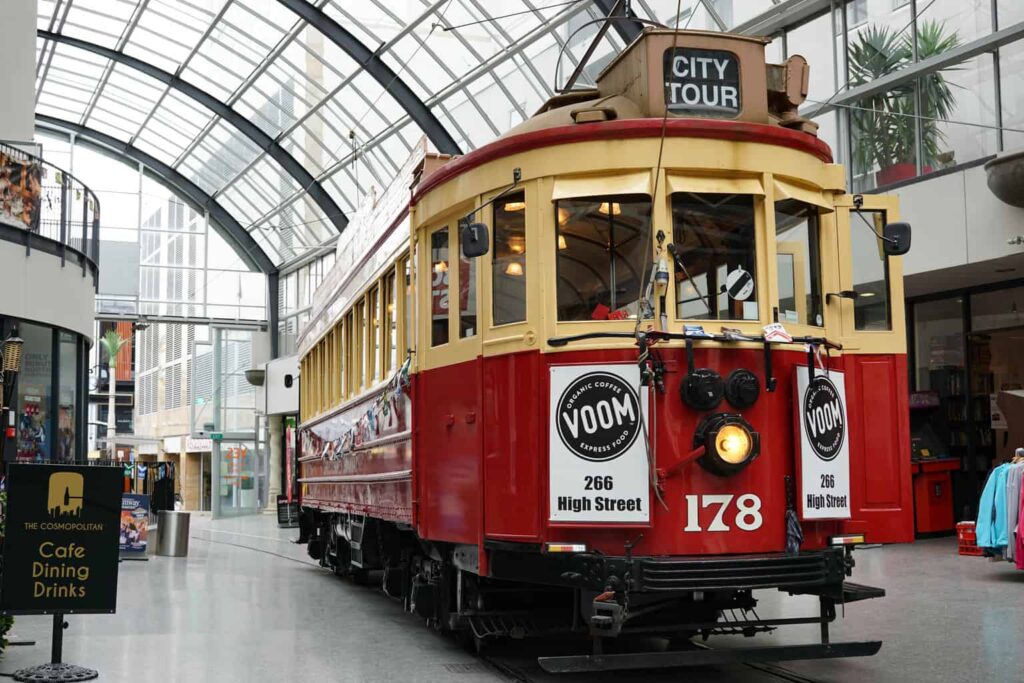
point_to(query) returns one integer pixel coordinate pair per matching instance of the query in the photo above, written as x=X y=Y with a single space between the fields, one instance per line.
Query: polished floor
x=246 y=605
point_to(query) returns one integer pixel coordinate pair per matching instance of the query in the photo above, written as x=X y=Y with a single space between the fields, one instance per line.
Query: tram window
x=391 y=333
x=467 y=296
x=799 y=263
x=601 y=244
x=871 y=308
x=714 y=236
x=340 y=332
x=508 y=278
x=439 y=287
x=352 y=339
x=359 y=337
x=407 y=331
x=373 y=357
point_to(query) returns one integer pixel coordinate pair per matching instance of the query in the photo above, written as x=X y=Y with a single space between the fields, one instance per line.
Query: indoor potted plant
x=883 y=124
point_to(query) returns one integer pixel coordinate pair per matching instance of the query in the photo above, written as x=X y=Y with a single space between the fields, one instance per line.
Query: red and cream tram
x=620 y=368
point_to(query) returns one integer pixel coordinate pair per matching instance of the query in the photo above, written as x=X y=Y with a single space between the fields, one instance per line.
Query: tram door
x=513 y=374
x=873 y=335
x=448 y=394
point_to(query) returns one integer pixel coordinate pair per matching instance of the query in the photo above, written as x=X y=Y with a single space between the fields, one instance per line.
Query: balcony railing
x=45 y=201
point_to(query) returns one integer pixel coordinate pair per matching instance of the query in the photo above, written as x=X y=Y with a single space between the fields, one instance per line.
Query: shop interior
x=967 y=398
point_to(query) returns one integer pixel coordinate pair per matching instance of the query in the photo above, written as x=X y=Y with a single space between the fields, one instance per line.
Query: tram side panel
x=515 y=446
x=449 y=442
x=877 y=405
x=354 y=465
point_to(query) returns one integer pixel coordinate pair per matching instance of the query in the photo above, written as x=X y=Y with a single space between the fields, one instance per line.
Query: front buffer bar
x=705 y=657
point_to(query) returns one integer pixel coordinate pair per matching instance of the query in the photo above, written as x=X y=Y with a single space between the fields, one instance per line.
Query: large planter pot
x=898 y=172
x=1006 y=177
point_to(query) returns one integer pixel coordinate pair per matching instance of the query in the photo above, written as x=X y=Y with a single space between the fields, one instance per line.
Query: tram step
x=854 y=592
x=704 y=657
x=356 y=544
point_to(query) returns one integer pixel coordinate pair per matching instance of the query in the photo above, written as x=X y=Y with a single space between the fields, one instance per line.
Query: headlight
x=733 y=444
x=730 y=443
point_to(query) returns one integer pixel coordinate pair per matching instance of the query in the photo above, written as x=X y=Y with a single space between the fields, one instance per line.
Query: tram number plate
x=744 y=512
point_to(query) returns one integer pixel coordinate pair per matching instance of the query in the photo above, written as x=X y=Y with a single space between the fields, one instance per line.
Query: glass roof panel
x=479 y=68
x=98 y=21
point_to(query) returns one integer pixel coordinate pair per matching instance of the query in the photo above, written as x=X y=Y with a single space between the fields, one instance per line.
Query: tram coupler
x=607 y=617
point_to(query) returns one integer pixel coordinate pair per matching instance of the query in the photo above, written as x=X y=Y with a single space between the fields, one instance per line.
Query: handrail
x=47 y=201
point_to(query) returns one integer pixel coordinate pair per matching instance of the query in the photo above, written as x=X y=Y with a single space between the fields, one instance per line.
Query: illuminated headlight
x=730 y=443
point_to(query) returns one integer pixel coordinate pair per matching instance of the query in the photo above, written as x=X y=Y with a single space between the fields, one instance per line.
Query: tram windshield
x=715 y=276
x=601 y=244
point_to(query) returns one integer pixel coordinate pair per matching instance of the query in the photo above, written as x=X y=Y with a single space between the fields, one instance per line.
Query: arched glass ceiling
x=287 y=113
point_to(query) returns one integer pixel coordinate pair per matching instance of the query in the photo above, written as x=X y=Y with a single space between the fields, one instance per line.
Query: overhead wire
x=510 y=14
x=652 y=474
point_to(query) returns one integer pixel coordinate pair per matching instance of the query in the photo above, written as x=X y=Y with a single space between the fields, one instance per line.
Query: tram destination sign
x=61 y=539
x=824 y=461
x=598 y=457
x=702 y=82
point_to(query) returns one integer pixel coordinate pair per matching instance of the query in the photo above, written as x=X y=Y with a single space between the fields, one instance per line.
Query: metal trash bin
x=173 y=533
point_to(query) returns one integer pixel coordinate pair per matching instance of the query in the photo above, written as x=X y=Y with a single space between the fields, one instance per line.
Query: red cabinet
x=933 y=495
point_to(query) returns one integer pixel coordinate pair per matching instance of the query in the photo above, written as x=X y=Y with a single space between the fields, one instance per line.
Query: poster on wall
x=20 y=191
x=61 y=539
x=134 y=522
x=598 y=457
x=824 y=462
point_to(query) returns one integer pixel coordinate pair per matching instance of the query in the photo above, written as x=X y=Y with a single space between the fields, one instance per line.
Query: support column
x=276 y=447
x=17 y=78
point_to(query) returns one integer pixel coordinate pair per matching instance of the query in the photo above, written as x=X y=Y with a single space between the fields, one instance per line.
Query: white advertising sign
x=824 y=445
x=598 y=468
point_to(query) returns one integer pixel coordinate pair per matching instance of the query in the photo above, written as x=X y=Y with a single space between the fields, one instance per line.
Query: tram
x=616 y=371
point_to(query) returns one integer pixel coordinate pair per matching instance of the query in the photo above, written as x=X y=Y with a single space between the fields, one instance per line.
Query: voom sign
x=599 y=416
x=597 y=454
x=824 y=449
x=824 y=418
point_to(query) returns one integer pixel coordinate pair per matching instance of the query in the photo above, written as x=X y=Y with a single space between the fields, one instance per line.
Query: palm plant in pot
x=883 y=124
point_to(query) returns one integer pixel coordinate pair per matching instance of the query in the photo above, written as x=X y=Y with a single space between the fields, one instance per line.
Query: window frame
x=611 y=198
x=761 y=263
x=801 y=258
x=889 y=341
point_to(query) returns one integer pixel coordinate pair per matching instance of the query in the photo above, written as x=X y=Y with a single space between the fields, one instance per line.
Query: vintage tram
x=618 y=369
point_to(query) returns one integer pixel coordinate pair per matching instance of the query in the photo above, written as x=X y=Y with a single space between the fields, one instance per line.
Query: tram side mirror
x=475 y=240
x=896 y=239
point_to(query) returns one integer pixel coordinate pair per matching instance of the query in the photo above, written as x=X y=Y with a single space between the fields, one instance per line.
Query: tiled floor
x=246 y=605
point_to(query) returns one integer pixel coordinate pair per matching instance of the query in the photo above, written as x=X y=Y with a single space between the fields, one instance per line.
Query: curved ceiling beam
x=381 y=72
x=250 y=130
x=248 y=249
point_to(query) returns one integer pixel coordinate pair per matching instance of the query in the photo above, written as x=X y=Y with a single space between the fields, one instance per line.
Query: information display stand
x=60 y=551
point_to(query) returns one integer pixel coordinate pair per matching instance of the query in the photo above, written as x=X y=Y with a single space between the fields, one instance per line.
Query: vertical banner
x=134 y=522
x=61 y=541
x=824 y=461
x=598 y=468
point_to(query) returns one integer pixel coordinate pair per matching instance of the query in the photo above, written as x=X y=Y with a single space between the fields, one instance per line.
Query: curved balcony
x=49 y=243
x=47 y=208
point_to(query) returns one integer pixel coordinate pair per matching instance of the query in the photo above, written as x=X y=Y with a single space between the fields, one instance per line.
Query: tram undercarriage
x=611 y=600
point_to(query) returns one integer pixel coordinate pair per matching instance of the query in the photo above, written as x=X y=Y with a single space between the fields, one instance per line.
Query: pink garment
x=1018 y=556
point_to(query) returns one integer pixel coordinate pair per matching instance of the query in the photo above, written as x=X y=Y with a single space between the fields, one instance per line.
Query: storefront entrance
x=966 y=351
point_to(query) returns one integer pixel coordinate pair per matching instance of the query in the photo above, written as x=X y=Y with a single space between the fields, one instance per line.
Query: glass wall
x=945 y=118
